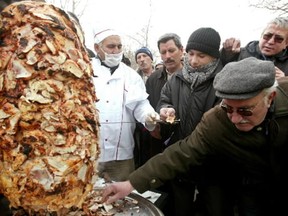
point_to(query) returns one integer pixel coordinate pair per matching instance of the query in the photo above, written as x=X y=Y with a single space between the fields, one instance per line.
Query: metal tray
x=143 y=207
x=135 y=205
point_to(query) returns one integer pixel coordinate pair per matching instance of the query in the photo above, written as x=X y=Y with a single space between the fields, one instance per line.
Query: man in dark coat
x=171 y=51
x=186 y=96
x=272 y=46
x=249 y=128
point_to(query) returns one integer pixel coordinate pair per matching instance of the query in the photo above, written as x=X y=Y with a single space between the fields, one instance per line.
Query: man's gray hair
x=271 y=89
x=268 y=91
x=170 y=36
x=281 y=22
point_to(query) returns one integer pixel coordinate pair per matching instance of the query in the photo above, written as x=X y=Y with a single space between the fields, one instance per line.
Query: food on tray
x=48 y=120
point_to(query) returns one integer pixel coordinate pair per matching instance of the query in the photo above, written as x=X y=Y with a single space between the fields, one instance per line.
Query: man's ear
x=96 y=48
x=271 y=97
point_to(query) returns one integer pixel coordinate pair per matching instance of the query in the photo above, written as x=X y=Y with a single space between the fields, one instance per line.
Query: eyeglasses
x=243 y=111
x=277 y=38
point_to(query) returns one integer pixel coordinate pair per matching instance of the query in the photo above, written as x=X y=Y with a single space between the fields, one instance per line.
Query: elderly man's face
x=273 y=40
x=246 y=114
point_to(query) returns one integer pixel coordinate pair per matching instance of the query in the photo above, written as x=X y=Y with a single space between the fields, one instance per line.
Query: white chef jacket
x=122 y=100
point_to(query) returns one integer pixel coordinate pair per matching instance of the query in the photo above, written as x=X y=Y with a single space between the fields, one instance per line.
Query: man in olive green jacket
x=249 y=129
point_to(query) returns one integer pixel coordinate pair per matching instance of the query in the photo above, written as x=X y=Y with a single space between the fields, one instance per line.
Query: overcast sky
x=229 y=17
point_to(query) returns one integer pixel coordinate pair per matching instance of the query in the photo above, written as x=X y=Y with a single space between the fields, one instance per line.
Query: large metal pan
x=139 y=206
x=134 y=205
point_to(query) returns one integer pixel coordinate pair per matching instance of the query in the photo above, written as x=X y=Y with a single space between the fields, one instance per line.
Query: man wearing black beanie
x=206 y=40
x=195 y=85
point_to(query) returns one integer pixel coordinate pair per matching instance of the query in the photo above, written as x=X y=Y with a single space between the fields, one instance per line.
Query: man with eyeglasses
x=272 y=46
x=249 y=129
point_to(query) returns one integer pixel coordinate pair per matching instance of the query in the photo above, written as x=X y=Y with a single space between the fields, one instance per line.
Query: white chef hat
x=101 y=33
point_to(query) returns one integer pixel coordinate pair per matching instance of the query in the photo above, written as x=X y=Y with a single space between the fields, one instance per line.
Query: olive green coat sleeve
x=214 y=135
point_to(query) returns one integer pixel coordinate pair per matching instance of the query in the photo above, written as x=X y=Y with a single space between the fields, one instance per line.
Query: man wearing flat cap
x=249 y=128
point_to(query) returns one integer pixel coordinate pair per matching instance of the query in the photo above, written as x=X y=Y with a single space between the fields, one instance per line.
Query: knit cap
x=144 y=50
x=244 y=79
x=205 y=40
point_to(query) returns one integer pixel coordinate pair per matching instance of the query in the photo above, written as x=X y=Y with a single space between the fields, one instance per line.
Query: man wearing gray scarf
x=186 y=96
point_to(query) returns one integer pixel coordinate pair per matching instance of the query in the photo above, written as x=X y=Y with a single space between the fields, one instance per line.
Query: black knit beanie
x=205 y=40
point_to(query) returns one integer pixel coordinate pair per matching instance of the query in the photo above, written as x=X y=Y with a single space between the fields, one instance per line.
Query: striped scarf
x=196 y=76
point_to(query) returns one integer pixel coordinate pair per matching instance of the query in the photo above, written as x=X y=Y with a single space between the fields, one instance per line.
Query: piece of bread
x=170 y=119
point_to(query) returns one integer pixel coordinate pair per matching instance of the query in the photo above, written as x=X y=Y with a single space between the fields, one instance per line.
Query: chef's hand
x=115 y=191
x=166 y=112
x=156 y=133
x=279 y=73
x=151 y=120
x=232 y=45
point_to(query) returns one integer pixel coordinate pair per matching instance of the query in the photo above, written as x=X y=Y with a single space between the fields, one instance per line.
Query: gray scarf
x=196 y=76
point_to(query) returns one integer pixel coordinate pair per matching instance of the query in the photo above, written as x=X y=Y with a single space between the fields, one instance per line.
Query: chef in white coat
x=122 y=102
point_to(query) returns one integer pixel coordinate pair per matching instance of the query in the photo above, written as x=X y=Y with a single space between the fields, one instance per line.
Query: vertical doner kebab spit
x=48 y=119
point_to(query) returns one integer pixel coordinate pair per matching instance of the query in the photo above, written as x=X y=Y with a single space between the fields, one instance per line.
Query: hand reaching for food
x=167 y=114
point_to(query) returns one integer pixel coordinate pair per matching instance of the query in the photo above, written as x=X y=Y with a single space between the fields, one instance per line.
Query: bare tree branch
x=278 y=6
x=75 y=6
x=144 y=33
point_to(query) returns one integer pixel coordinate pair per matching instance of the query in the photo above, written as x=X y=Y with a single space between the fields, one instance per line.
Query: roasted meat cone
x=48 y=118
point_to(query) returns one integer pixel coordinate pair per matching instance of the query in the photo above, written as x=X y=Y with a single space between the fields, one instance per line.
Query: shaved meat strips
x=48 y=119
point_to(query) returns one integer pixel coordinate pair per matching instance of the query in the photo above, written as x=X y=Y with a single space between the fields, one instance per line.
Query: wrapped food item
x=48 y=119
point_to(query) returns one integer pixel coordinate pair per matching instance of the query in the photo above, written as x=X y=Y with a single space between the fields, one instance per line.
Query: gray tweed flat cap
x=244 y=79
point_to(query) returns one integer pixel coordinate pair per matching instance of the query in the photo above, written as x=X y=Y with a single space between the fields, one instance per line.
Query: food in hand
x=170 y=119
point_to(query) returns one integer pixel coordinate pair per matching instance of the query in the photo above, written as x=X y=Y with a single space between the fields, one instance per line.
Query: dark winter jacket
x=252 y=50
x=189 y=106
x=154 y=84
x=261 y=152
